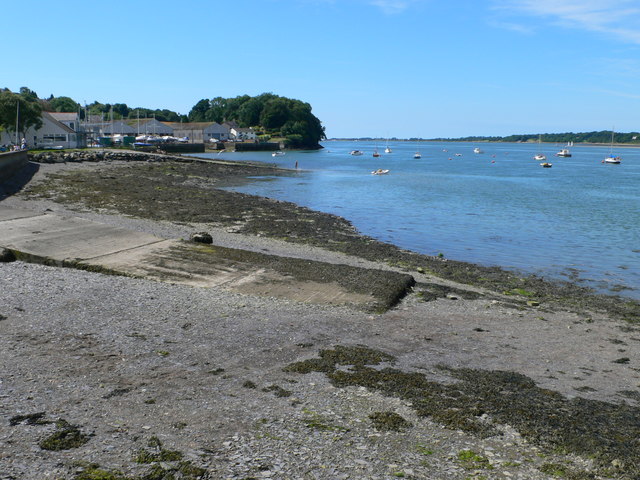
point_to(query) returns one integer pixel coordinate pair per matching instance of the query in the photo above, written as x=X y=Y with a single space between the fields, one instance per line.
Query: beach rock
x=7 y=255
x=201 y=237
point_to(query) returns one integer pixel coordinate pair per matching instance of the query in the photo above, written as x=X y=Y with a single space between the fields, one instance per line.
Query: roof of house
x=64 y=116
x=189 y=125
x=57 y=123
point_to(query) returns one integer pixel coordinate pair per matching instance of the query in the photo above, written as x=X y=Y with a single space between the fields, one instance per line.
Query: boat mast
x=17 y=117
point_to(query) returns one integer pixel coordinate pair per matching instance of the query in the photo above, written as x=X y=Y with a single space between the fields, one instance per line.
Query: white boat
x=356 y=152
x=563 y=153
x=477 y=150
x=417 y=155
x=458 y=154
x=539 y=156
x=380 y=171
x=278 y=153
x=388 y=149
x=546 y=165
x=613 y=159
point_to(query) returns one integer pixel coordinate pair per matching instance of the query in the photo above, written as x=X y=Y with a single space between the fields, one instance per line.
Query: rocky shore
x=475 y=373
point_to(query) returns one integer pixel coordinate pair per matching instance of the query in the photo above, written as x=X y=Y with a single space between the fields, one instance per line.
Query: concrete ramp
x=76 y=242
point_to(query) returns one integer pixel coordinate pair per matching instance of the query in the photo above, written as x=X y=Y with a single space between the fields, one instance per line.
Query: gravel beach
x=110 y=377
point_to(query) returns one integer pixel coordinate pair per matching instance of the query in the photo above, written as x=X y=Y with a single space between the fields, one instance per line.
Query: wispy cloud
x=392 y=6
x=619 y=18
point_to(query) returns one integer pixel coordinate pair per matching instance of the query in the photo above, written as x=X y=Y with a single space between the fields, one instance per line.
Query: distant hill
x=603 y=136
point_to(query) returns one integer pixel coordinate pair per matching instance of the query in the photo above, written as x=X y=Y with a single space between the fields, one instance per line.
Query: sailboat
x=376 y=153
x=539 y=156
x=388 y=149
x=611 y=158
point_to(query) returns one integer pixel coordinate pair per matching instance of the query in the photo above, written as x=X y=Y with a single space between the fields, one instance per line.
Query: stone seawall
x=103 y=155
x=11 y=162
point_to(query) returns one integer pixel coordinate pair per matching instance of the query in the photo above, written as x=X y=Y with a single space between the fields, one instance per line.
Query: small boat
x=539 y=156
x=563 y=153
x=380 y=171
x=477 y=150
x=388 y=149
x=279 y=153
x=417 y=155
x=613 y=159
x=356 y=152
x=376 y=153
x=546 y=165
x=458 y=154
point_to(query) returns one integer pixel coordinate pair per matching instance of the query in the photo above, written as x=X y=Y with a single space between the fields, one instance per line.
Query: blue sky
x=403 y=68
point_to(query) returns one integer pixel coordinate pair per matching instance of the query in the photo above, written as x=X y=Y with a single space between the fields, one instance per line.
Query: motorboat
x=417 y=155
x=458 y=154
x=380 y=171
x=477 y=150
x=546 y=165
x=563 y=153
x=278 y=153
x=356 y=152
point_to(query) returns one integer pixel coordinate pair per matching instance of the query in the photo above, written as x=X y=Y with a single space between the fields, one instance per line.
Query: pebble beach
x=110 y=377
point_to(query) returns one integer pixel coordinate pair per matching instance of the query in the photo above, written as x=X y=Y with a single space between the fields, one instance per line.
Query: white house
x=241 y=134
x=70 y=119
x=52 y=134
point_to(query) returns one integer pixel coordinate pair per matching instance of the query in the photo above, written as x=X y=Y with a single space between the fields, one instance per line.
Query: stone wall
x=103 y=155
x=11 y=162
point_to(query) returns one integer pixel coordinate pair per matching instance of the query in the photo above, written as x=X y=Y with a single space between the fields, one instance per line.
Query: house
x=70 y=119
x=52 y=134
x=241 y=134
x=200 y=132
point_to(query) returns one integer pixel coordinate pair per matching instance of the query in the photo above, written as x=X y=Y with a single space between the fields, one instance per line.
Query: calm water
x=579 y=220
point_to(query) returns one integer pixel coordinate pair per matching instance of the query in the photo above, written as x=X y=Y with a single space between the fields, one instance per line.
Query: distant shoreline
x=401 y=140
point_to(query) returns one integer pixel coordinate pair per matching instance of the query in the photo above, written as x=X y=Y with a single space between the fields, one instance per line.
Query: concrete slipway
x=75 y=242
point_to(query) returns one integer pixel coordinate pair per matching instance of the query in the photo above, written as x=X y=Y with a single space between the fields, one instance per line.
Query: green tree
x=249 y=113
x=63 y=104
x=199 y=111
x=29 y=113
x=275 y=114
x=28 y=94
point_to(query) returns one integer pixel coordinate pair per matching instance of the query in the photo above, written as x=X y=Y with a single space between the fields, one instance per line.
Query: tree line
x=602 y=136
x=268 y=114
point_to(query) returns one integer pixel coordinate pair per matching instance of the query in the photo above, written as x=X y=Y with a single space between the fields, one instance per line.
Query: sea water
x=577 y=221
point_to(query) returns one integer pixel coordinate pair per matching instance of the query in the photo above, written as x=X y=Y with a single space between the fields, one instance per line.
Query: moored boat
x=546 y=165
x=380 y=171
x=477 y=150
x=612 y=159
x=356 y=152
x=563 y=153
